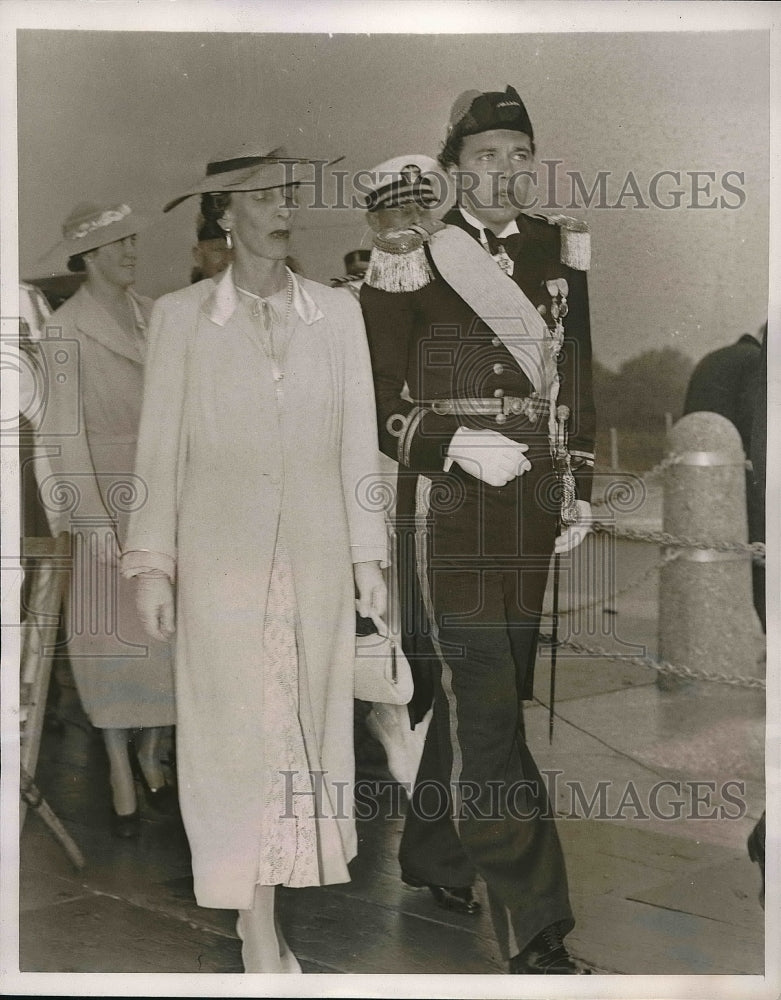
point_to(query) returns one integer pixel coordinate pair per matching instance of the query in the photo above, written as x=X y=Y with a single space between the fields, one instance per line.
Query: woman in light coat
x=96 y=343
x=258 y=448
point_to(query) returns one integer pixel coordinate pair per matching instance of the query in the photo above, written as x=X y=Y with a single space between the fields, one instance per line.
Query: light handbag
x=382 y=673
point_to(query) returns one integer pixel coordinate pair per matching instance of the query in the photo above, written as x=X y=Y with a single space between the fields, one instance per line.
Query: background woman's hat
x=90 y=226
x=246 y=172
x=403 y=180
x=475 y=111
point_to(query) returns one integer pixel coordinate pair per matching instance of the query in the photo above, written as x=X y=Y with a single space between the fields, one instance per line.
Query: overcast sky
x=134 y=116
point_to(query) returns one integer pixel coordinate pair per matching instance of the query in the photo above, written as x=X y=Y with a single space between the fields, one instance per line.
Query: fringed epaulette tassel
x=404 y=271
x=575 y=241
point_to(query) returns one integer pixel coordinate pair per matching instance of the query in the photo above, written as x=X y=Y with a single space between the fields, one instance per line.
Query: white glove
x=488 y=455
x=155 y=604
x=574 y=534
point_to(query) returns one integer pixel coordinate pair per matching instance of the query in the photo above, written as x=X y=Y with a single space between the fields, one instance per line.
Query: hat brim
x=55 y=260
x=278 y=172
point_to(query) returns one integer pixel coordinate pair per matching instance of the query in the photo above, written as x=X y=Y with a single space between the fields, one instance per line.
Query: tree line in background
x=634 y=400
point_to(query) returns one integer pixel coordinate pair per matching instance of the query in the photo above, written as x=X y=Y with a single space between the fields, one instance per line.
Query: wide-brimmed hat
x=246 y=172
x=413 y=178
x=90 y=226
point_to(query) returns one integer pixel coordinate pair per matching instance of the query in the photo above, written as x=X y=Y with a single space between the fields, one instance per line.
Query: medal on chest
x=558 y=289
x=504 y=261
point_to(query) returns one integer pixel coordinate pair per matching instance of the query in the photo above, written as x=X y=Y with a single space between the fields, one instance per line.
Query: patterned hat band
x=397 y=193
x=79 y=230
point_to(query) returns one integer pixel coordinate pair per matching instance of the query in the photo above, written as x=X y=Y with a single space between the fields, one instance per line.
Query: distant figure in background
x=211 y=253
x=725 y=382
x=756 y=517
x=356 y=263
x=124 y=678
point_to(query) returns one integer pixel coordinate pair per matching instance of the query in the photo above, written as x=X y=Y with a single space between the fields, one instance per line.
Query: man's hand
x=488 y=455
x=155 y=604
x=372 y=590
x=574 y=534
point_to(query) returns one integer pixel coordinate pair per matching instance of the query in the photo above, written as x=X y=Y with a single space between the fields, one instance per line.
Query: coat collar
x=221 y=304
x=97 y=323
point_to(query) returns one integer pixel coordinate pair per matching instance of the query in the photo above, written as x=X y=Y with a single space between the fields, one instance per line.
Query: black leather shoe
x=125 y=827
x=546 y=955
x=459 y=898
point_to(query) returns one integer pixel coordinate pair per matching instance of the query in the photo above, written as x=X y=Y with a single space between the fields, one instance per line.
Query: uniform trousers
x=479 y=803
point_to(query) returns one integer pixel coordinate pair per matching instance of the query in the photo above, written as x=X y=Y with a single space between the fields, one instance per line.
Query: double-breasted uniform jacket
x=429 y=344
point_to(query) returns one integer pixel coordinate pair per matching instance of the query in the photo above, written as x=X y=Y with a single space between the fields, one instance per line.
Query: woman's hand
x=372 y=590
x=155 y=604
x=573 y=535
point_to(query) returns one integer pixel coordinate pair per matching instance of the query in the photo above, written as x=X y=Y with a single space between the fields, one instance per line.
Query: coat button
x=498 y=393
x=501 y=418
x=498 y=369
x=541 y=309
x=495 y=341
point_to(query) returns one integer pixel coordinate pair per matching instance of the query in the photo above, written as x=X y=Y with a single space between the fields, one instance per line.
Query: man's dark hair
x=77 y=264
x=213 y=204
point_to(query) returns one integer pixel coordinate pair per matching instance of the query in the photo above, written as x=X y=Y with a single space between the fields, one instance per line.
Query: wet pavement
x=656 y=791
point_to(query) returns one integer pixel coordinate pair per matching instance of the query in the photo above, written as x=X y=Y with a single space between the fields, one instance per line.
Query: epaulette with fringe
x=575 y=240
x=398 y=262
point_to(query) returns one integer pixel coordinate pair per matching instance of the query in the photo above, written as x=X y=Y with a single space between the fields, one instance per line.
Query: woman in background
x=124 y=680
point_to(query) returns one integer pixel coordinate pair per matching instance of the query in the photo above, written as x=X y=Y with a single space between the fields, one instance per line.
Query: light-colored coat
x=235 y=460
x=87 y=427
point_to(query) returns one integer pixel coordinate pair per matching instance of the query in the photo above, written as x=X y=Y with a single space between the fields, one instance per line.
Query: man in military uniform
x=480 y=341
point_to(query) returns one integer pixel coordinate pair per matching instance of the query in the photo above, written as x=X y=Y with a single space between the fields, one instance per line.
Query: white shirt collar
x=222 y=303
x=509 y=229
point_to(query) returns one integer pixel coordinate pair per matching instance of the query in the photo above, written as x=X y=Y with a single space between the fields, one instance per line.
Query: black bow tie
x=511 y=243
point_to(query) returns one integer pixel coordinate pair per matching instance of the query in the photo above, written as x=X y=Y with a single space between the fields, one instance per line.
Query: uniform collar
x=509 y=230
x=221 y=304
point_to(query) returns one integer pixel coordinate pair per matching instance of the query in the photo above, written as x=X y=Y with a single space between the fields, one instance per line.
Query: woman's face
x=260 y=222
x=114 y=263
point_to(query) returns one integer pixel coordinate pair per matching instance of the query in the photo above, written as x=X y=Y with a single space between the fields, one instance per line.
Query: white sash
x=498 y=301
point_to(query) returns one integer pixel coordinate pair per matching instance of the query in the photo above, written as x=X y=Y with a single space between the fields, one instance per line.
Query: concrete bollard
x=706 y=613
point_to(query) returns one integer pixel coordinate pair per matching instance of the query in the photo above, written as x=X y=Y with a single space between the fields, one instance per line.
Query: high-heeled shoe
x=163 y=799
x=125 y=827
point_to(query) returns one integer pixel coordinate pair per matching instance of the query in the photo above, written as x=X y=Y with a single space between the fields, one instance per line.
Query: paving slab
x=98 y=933
x=635 y=938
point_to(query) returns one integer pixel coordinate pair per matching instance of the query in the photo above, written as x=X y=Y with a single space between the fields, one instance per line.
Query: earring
x=228 y=239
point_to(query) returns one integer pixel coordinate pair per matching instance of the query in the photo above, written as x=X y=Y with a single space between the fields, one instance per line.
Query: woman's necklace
x=263 y=311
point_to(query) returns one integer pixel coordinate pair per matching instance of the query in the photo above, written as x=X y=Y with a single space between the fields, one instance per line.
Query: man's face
x=396 y=219
x=493 y=175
